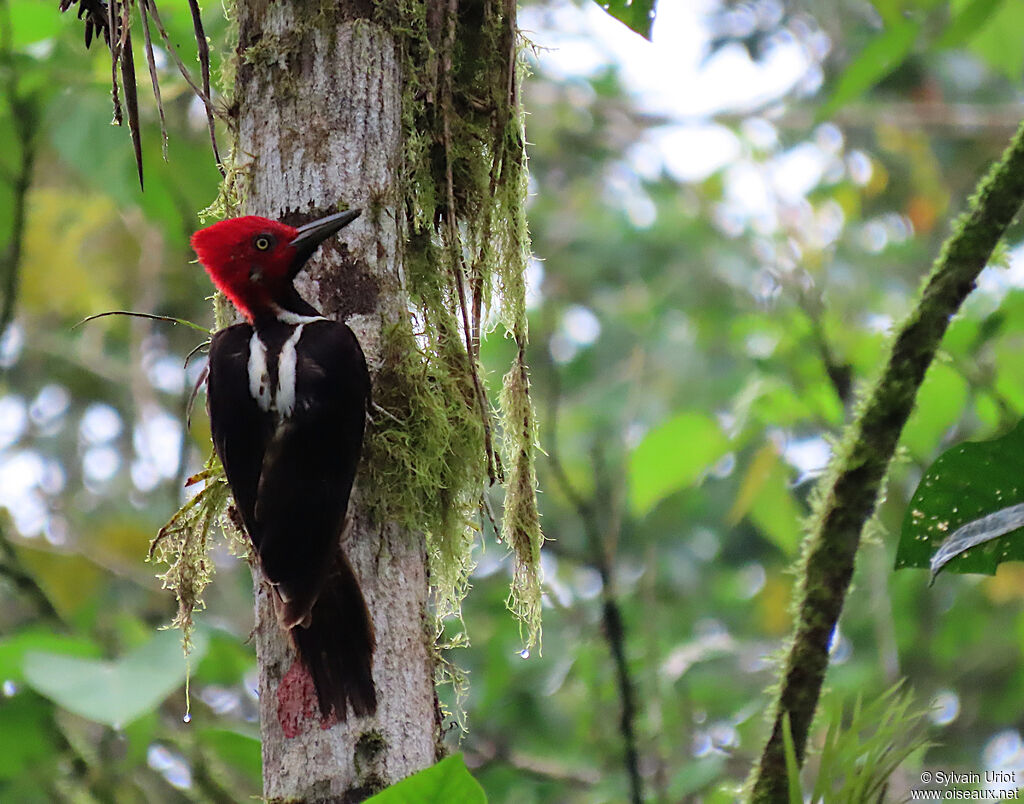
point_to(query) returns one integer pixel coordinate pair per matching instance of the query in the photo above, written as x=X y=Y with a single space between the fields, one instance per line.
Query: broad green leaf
x=672 y=456
x=774 y=510
x=967 y=19
x=241 y=751
x=117 y=691
x=25 y=738
x=14 y=648
x=882 y=55
x=692 y=777
x=69 y=579
x=966 y=483
x=446 y=782
x=941 y=403
x=637 y=14
x=766 y=499
x=226 y=661
x=997 y=40
x=32 y=20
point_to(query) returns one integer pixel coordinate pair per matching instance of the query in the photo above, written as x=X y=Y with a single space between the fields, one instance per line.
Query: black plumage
x=291 y=473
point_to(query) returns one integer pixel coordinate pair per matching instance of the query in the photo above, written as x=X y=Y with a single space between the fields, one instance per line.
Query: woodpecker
x=287 y=393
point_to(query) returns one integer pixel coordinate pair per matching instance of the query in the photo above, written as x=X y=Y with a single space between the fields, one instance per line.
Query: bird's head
x=254 y=260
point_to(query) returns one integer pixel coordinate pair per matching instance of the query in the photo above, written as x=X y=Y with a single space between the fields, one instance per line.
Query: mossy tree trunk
x=318 y=104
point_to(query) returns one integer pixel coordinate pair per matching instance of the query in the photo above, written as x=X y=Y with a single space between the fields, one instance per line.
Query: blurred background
x=726 y=220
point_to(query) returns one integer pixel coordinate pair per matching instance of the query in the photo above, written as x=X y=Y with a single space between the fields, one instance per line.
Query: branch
x=25 y=119
x=840 y=374
x=13 y=570
x=611 y=612
x=24 y=115
x=484 y=751
x=848 y=493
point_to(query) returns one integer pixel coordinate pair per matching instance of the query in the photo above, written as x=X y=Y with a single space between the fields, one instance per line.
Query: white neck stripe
x=289 y=317
x=280 y=396
x=287 y=365
x=259 y=377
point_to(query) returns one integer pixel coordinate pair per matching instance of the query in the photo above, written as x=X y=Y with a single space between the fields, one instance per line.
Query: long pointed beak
x=311 y=235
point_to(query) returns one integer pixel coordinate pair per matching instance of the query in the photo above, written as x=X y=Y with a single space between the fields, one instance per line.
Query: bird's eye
x=262 y=243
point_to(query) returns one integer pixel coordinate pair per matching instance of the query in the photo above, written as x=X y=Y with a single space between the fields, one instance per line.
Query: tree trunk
x=318 y=103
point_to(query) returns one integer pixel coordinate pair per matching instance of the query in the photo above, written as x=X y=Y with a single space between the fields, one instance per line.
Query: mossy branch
x=846 y=497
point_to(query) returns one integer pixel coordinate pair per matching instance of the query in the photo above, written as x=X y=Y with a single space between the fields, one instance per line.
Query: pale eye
x=262 y=243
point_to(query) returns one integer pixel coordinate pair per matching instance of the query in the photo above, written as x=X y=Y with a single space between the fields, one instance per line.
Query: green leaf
x=637 y=14
x=941 y=403
x=32 y=20
x=672 y=456
x=796 y=795
x=447 y=781
x=765 y=497
x=226 y=660
x=14 y=648
x=882 y=55
x=967 y=482
x=26 y=737
x=996 y=40
x=968 y=18
x=114 y=692
x=241 y=751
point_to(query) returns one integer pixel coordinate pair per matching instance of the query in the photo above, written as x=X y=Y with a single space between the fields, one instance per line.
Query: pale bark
x=319 y=104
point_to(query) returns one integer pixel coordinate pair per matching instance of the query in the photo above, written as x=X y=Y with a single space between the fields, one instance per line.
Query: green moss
x=183 y=544
x=465 y=186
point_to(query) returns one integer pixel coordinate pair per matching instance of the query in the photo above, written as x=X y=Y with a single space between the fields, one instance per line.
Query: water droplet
x=9 y=688
x=945 y=708
x=187 y=718
x=524 y=653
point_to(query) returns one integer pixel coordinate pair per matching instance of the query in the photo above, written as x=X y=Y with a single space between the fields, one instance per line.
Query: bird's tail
x=337 y=645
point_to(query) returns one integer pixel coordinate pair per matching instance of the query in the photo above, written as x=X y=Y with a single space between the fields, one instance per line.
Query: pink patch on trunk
x=297 y=706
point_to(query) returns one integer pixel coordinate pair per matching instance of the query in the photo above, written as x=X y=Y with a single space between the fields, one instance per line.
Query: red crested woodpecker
x=287 y=393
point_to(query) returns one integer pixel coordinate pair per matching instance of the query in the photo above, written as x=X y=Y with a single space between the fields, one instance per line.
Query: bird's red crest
x=248 y=259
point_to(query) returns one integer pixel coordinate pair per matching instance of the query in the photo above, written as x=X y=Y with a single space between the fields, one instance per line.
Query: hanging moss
x=183 y=544
x=465 y=262
x=462 y=193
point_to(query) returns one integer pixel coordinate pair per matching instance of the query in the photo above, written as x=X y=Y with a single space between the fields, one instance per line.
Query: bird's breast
x=273 y=368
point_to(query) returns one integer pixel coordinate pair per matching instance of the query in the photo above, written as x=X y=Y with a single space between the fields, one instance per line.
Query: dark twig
x=153 y=79
x=484 y=751
x=611 y=612
x=131 y=96
x=12 y=569
x=200 y=93
x=848 y=493
x=204 y=64
x=840 y=375
x=25 y=119
x=113 y=20
x=152 y=316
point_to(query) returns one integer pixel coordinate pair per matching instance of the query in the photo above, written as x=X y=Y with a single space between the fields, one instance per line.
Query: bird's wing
x=310 y=464
x=239 y=428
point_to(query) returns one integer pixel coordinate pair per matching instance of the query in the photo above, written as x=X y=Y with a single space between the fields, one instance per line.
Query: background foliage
x=707 y=292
